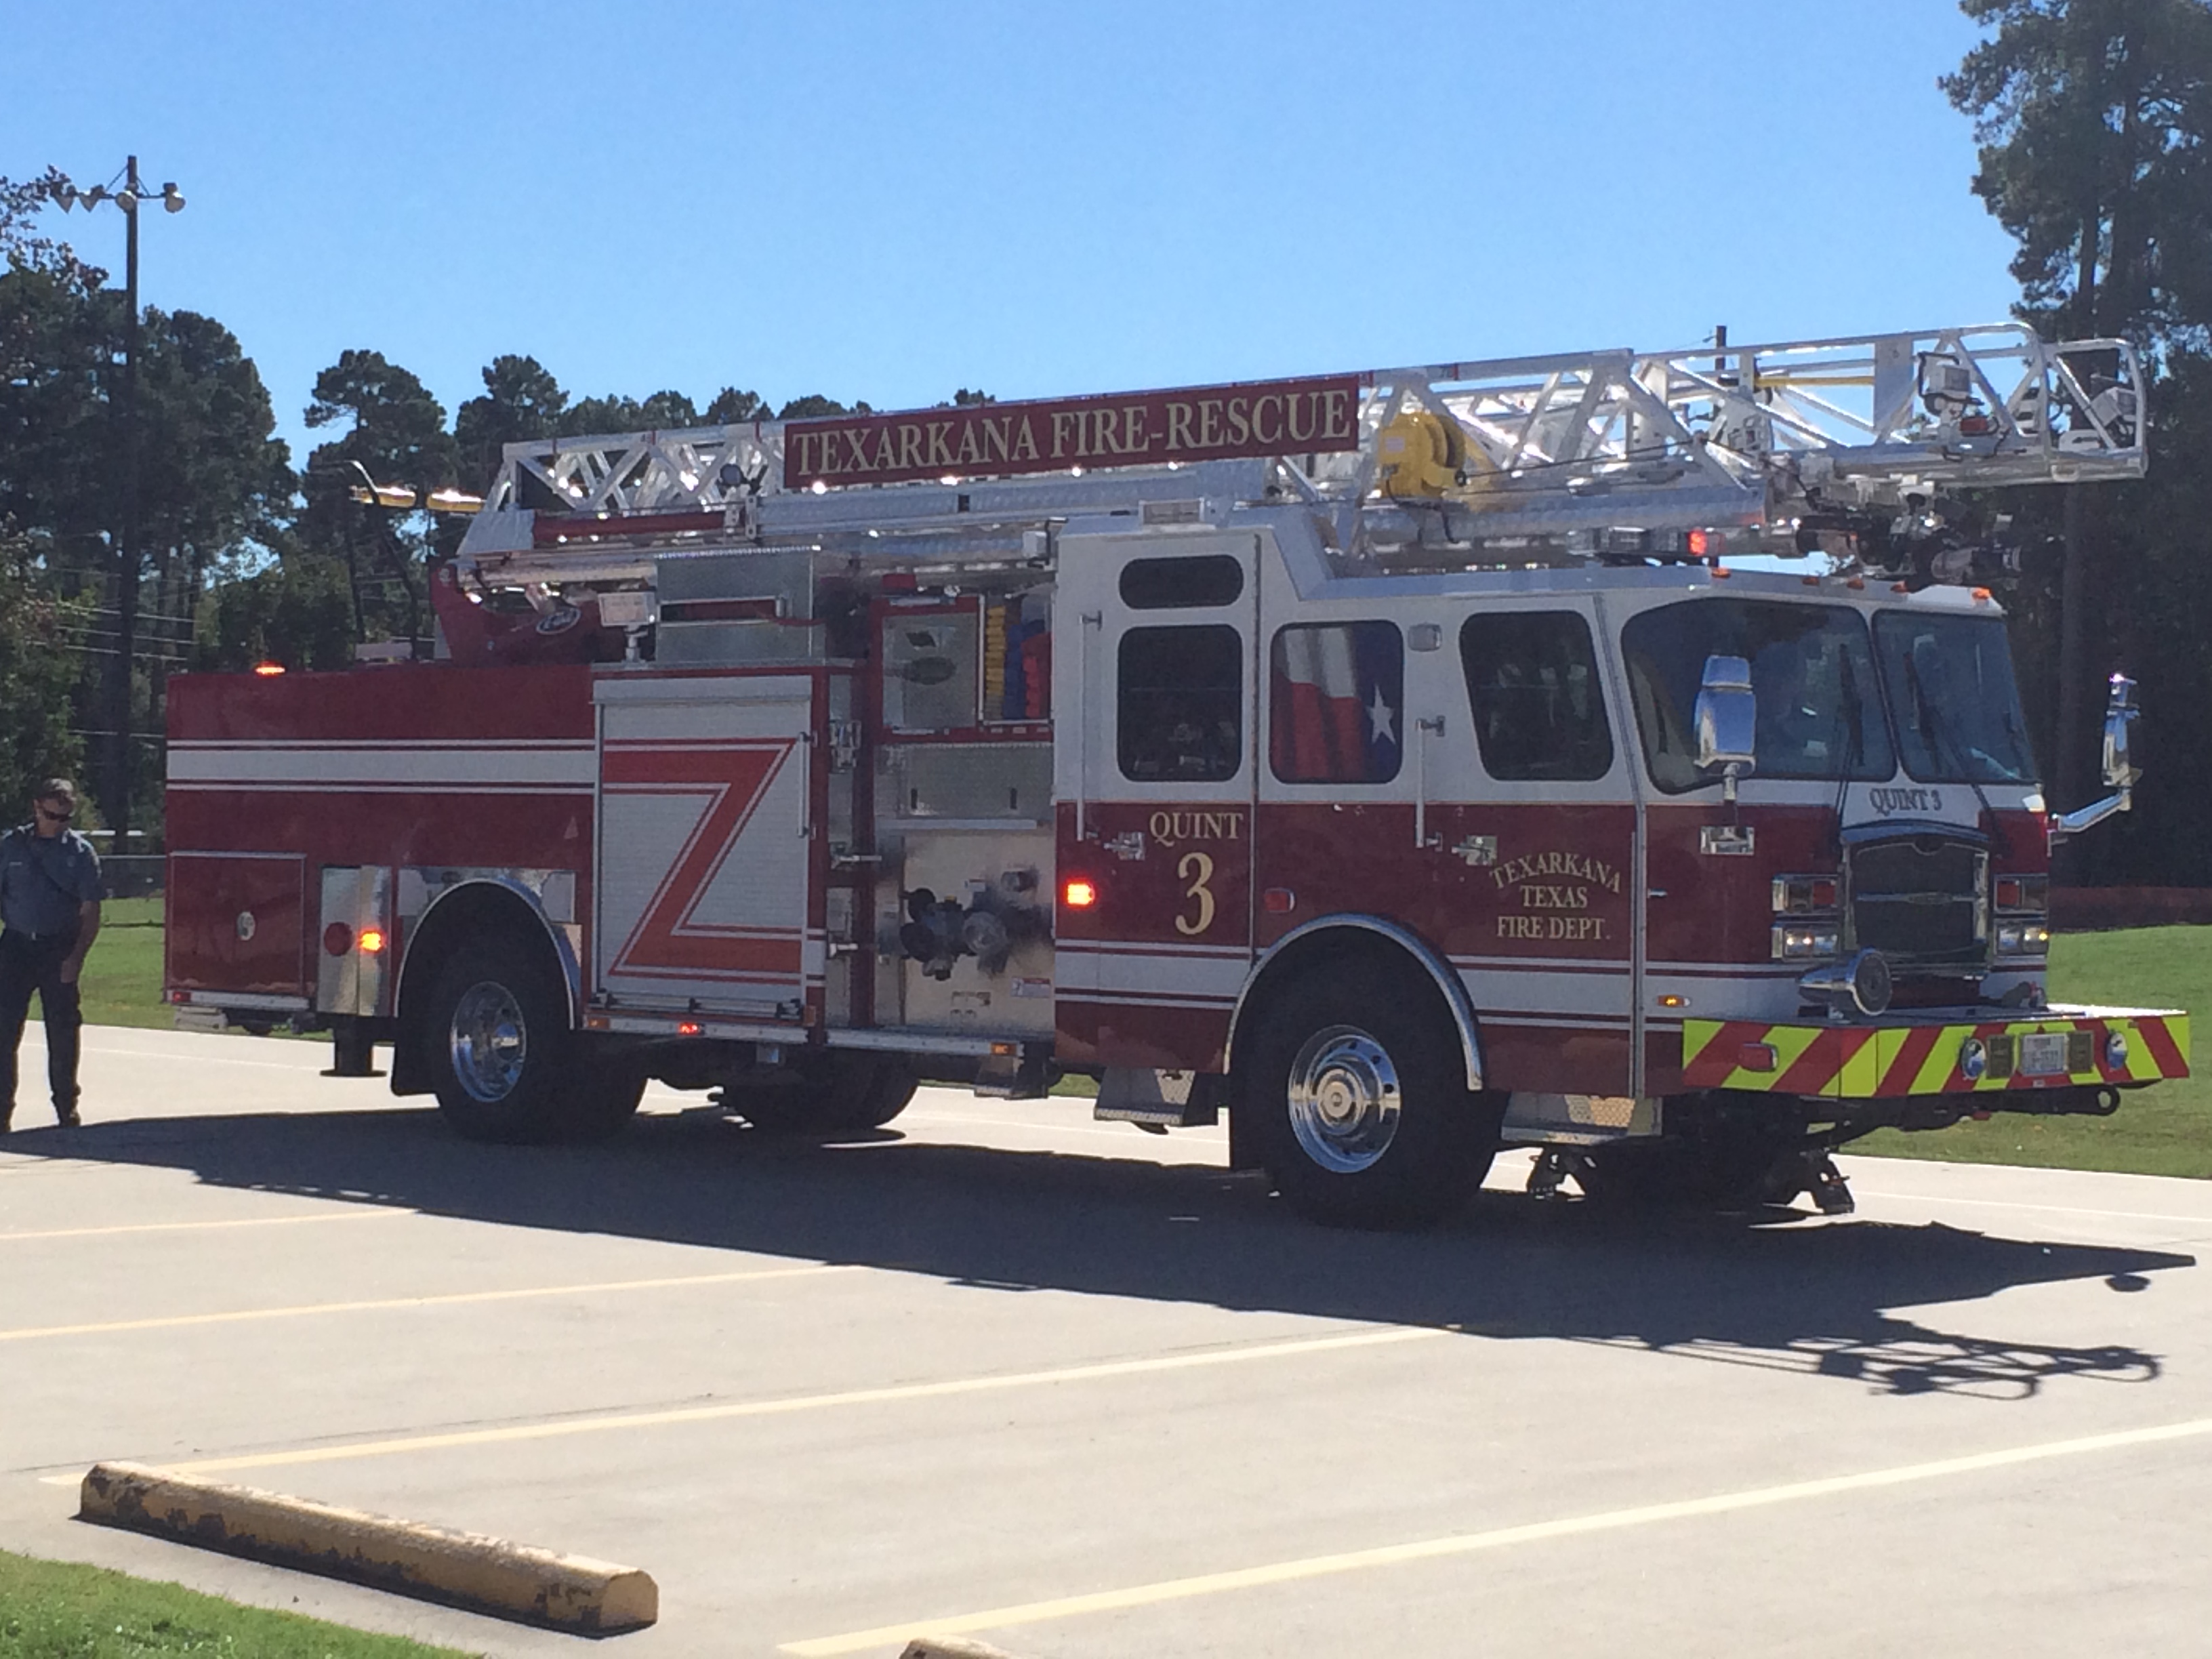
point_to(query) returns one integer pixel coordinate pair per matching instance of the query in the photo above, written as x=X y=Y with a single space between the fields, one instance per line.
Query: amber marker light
x=371 y=941
x=1078 y=894
x=268 y=671
x=1670 y=1000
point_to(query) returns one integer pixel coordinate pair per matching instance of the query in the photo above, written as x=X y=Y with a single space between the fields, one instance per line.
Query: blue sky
x=889 y=202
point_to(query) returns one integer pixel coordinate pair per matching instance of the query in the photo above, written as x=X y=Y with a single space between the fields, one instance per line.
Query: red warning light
x=1700 y=543
x=268 y=670
x=1078 y=894
x=689 y=1028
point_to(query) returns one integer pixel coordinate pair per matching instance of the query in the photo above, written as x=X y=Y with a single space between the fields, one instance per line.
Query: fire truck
x=1616 y=754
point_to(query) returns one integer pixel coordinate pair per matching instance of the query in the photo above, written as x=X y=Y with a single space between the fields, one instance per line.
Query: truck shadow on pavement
x=1806 y=1297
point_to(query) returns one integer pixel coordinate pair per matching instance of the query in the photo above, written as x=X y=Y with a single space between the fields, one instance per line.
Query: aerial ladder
x=1841 y=445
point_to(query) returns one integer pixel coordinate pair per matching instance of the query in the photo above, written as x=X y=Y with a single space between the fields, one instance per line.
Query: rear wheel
x=871 y=1094
x=1359 y=1104
x=602 y=1100
x=845 y=1094
x=497 y=1046
x=1734 y=1172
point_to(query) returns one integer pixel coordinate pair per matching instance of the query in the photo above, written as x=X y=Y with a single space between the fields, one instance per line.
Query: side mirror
x=1728 y=721
x=2120 y=772
x=2119 y=715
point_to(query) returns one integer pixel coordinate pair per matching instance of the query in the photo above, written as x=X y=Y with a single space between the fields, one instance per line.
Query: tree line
x=2094 y=123
x=242 y=555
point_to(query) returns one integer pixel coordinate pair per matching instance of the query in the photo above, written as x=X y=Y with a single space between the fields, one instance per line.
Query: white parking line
x=1316 y=1566
x=309 y=1063
x=1121 y=1132
x=380 y=1215
x=242 y=1316
x=730 y=1411
x=1947 y=1199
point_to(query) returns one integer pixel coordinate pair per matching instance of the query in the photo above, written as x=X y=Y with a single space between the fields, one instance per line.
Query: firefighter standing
x=50 y=904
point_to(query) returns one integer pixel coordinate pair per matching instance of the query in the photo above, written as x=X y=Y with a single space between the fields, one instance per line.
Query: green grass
x=122 y=981
x=2166 y=1129
x=55 y=1610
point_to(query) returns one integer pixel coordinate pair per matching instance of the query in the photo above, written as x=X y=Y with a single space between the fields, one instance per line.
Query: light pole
x=116 y=797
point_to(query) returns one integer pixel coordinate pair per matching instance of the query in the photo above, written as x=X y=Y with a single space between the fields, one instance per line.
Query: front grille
x=1922 y=902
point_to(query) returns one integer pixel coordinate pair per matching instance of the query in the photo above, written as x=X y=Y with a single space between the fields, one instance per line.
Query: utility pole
x=126 y=586
x=115 y=796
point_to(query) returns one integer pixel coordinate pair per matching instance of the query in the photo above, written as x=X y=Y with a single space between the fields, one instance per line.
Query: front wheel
x=1359 y=1100
x=498 y=1048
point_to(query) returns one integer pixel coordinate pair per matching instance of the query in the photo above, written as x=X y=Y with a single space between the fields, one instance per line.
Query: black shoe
x=66 y=1117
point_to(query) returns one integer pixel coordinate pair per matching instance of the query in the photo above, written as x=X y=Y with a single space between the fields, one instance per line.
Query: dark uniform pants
x=29 y=964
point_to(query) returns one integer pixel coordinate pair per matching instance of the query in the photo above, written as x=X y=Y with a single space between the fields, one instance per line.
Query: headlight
x=1804 y=942
x=2023 y=938
x=1802 y=894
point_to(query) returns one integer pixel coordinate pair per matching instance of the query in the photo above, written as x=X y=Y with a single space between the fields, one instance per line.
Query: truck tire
x=850 y=1093
x=602 y=1101
x=1725 y=1173
x=1358 y=1101
x=875 y=1092
x=497 y=1046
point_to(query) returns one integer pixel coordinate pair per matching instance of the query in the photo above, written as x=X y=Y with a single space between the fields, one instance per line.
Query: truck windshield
x=1820 y=710
x=1950 y=684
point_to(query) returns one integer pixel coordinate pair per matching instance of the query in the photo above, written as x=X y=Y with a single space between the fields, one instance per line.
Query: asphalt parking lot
x=1079 y=1392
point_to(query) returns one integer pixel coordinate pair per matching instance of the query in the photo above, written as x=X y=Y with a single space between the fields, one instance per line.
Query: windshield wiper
x=1939 y=733
x=1848 y=716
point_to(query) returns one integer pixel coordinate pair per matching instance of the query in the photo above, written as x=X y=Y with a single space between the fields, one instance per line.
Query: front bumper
x=1898 y=1055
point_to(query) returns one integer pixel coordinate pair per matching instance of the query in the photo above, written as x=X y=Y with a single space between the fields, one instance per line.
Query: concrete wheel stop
x=467 y=1570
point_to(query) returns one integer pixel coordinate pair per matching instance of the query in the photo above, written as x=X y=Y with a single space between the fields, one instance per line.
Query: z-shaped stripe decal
x=731 y=778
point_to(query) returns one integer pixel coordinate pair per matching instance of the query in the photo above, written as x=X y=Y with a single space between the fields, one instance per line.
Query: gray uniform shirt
x=43 y=882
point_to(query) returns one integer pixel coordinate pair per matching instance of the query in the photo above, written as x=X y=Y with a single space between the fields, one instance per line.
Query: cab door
x=1155 y=741
x=1531 y=847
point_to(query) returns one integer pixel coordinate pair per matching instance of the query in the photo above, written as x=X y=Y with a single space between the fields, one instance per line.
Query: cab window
x=1813 y=676
x=1189 y=582
x=1532 y=679
x=1179 y=710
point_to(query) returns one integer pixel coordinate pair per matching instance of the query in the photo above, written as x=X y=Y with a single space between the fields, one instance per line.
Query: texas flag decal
x=1336 y=714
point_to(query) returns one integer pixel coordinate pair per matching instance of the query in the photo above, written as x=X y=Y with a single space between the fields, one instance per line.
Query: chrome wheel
x=1345 y=1099
x=488 y=1042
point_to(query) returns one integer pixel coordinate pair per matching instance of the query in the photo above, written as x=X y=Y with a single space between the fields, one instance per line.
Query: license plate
x=2043 y=1054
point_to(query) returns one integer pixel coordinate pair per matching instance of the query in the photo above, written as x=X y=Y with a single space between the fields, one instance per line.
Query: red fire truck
x=1394 y=761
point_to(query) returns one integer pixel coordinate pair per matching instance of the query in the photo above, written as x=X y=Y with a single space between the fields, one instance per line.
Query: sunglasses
x=52 y=816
